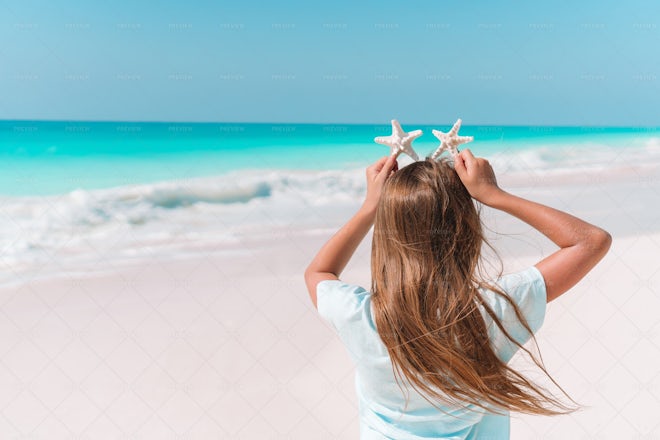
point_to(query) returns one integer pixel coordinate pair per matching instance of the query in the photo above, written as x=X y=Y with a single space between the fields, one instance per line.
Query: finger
x=467 y=153
x=388 y=166
x=459 y=164
x=390 y=163
x=468 y=158
x=378 y=165
x=395 y=168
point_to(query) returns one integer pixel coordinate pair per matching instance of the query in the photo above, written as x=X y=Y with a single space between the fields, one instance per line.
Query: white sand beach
x=228 y=345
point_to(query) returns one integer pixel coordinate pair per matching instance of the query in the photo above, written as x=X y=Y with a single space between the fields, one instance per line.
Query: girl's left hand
x=376 y=176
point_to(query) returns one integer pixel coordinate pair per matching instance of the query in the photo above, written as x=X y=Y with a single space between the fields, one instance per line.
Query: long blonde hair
x=426 y=267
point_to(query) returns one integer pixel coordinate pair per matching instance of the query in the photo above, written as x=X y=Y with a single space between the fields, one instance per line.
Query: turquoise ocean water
x=41 y=158
x=74 y=192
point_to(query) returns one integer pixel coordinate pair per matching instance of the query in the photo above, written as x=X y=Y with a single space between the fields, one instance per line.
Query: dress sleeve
x=528 y=291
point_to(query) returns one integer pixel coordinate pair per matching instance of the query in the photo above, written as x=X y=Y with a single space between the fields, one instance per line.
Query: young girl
x=431 y=339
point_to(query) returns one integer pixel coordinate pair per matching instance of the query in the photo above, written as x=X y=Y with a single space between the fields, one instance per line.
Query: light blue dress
x=347 y=308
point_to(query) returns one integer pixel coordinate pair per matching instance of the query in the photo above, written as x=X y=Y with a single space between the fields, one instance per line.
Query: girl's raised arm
x=582 y=245
x=330 y=261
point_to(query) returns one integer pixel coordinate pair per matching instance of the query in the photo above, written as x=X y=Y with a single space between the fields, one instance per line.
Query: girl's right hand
x=477 y=175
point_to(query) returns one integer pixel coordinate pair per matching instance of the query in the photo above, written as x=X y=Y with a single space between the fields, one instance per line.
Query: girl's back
x=348 y=309
x=432 y=338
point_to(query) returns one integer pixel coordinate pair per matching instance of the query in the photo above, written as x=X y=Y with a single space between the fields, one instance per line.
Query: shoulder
x=339 y=302
x=526 y=289
x=348 y=309
x=523 y=280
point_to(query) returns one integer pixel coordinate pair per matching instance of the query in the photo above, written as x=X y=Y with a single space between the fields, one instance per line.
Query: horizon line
x=313 y=123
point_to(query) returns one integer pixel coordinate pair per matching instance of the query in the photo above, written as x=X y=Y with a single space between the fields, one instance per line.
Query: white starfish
x=400 y=141
x=450 y=141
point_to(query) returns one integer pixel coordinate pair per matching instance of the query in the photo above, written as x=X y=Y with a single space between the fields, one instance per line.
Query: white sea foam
x=217 y=213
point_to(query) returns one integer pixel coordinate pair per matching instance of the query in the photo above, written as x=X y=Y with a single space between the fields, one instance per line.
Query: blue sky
x=509 y=62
